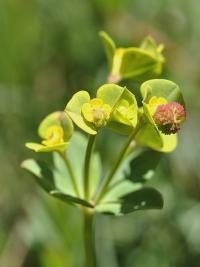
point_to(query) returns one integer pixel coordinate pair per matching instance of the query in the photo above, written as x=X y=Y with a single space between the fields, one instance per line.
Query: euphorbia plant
x=151 y=128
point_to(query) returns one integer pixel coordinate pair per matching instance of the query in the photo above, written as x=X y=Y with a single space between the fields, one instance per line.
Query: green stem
x=88 y=155
x=71 y=173
x=107 y=180
x=90 y=259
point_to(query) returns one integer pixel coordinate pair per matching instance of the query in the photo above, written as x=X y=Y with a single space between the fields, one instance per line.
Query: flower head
x=158 y=130
x=114 y=107
x=168 y=117
x=136 y=63
x=55 y=131
x=54 y=135
x=96 y=112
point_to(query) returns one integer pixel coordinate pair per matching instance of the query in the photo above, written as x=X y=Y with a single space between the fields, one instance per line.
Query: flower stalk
x=87 y=164
x=89 y=244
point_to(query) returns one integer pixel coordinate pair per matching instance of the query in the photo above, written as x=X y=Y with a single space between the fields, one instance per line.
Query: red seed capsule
x=168 y=117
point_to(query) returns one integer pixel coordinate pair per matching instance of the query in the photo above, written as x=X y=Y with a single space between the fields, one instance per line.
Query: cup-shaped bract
x=114 y=107
x=161 y=99
x=55 y=131
x=136 y=63
x=123 y=117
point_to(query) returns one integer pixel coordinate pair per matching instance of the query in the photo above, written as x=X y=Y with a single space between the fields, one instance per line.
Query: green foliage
x=127 y=185
x=46 y=178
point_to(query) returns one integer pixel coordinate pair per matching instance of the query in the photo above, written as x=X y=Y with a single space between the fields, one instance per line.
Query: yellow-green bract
x=56 y=129
x=133 y=63
x=114 y=107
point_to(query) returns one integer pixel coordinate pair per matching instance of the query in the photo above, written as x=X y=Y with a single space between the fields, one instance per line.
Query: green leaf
x=48 y=179
x=67 y=198
x=61 y=175
x=146 y=198
x=119 y=189
x=59 y=118
x=161 y=88
x=143 y=165
x=109 y=47
x=73 y=109
x=142 y=199
x=41 y=172
x=76 y=155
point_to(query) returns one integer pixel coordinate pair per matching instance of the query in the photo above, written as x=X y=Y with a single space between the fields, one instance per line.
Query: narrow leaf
x=67 y=198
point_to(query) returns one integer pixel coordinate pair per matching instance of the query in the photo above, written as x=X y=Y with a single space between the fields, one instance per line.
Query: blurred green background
x=49 y=50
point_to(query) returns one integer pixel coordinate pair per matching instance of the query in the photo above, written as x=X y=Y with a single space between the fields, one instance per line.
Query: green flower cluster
x=151 y=126
x=114 y=107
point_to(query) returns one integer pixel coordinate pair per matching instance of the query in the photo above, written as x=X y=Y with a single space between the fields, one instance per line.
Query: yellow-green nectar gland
x=54 y=136
x=154 y=102
x=96 y=112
